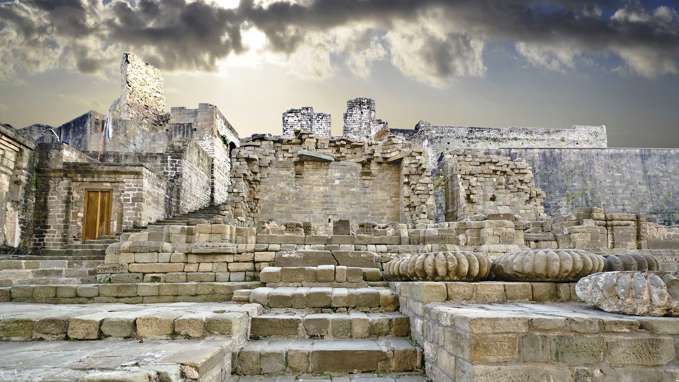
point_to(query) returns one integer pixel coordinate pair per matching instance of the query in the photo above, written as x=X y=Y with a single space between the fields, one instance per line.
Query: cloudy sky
x=546 y=63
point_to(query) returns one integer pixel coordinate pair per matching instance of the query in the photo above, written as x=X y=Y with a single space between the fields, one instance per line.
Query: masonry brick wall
x=310 y=179
x=16 y=161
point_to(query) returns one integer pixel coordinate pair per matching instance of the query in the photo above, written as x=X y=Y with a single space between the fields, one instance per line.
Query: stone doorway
x=97 y=220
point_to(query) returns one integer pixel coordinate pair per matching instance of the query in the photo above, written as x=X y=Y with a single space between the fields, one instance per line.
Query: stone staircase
x=326 y=330
x=212 y=213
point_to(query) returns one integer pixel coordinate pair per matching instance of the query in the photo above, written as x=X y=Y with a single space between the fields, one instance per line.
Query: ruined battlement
x=305 y=120
x=359 y=119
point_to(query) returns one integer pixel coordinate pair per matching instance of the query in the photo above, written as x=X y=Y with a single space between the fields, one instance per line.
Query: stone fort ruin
x=147 y=244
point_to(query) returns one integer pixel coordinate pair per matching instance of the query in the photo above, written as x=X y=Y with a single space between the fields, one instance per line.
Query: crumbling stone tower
x=359 y=119
x=306 y=120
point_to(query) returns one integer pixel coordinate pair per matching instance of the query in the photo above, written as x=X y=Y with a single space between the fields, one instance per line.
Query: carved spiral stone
x=439 y=266
x=546 y=265
x=633 y=293
x=631 y=262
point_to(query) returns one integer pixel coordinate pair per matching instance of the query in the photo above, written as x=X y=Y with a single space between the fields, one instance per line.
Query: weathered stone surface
x=634 y=293
x=547 y=265
x=439 y=266
x=631 y=262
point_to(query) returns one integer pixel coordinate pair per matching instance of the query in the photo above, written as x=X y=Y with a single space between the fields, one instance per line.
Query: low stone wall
x=564 y=342
x=132 y=293
x=414 y=296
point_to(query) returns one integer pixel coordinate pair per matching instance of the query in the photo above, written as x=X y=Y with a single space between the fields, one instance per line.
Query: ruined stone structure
x=434 y=254
x=306 y=120
x=360 y=121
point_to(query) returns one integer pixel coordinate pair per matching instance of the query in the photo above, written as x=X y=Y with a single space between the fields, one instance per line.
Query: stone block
x=640 y=351
x=340 y=326
x=354 y=275
x=190 y=325
x=325 y=273
x=88 y=291
x=490 y=293
x=265 y=256
x=518 y=291
x=319 y=297
x=359 y=259
x=494 y=348
x=156 y=267
x=544 y=292
x=360 y=325
x=241 y=267
x=340 y=273
x=156 y=325
x=280 y=297
x=50 y=328
x=270 y=275
x=118 y=290
x=85 y=327
x=364 y=298
x=14 y=329
x=317 y=325
x=118 y=327
x=272 y=362
x=44 y=291
x=340 y=297
x=275 y=326
x=67 y=291
x=293 y=274
x=460 y=291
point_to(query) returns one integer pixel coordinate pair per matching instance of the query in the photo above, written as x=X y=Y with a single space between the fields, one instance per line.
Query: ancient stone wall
x=475 y=184
x=16 y=174
x=620 y=179
x=306 y=120
x=195 y=179
x=315 y=180
x=360 y=121
x=63 y=177
x=441 y=139
x=318 y=192
x=142 y=92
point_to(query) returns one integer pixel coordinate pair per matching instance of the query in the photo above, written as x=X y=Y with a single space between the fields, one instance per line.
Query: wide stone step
x=299 y=357
x=132 y=293
x=27 y=322
x=322 y=275
x=119 y=360
x=336 y=299
x=329 y=325
x=360 y=377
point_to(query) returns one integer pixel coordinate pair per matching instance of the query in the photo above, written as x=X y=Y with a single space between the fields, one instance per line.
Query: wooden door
x=97 y=221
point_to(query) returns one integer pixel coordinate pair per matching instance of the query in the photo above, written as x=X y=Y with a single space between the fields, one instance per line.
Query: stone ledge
x=28 y=322
x=131 y=293
x=542 y=342
x=485 y=292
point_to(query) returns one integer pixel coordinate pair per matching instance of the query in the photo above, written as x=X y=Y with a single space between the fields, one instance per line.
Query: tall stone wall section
x=306 y=120
x=195 y=168
x=617 y=179
x=276 y=177
x=16 y=174
x=441 y=139
x=143 y=97
x=359 y=119
x=476 y=184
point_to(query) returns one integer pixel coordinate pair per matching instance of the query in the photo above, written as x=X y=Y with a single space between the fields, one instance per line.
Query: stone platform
x=121 y=361
x=535 y=342
x=41 y=322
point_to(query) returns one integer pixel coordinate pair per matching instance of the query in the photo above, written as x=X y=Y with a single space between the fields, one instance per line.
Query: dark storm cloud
x=180 y=34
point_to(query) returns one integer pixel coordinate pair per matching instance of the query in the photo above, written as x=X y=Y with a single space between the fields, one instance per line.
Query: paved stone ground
x=125 y=361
